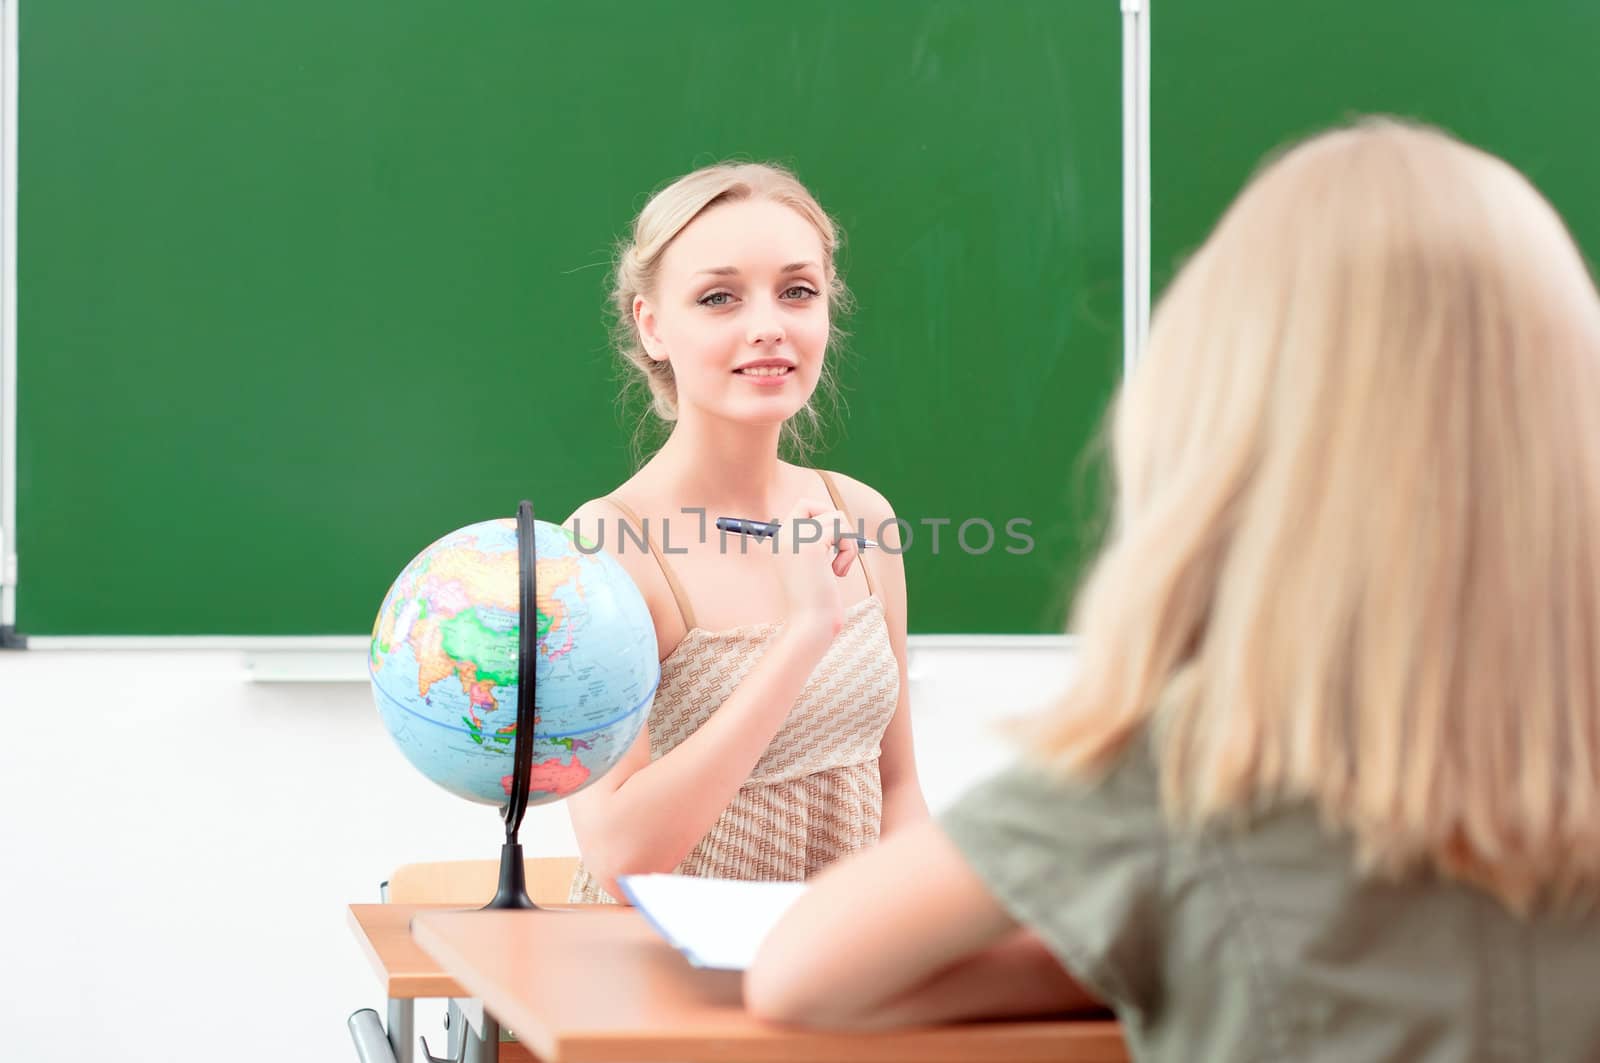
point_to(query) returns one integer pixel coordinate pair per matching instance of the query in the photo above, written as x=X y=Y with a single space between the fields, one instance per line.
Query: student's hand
x=810 y=568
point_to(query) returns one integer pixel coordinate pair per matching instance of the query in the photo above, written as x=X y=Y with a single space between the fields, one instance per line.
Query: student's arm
x=645 y=815
x=903 y=934
x=903 y=803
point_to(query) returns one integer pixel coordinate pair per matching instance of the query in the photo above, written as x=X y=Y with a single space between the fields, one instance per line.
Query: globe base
x=513 y=891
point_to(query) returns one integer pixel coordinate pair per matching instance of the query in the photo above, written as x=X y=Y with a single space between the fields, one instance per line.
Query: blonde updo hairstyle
x=638 y=265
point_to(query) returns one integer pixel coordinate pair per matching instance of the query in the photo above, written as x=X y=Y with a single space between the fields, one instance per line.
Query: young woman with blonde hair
x=1326 y=782
x=780 y=736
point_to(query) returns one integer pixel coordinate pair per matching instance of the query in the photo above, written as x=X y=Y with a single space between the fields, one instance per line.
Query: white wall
x=179 y=843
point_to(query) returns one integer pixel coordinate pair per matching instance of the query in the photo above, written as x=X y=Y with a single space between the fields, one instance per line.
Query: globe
x=444 y=662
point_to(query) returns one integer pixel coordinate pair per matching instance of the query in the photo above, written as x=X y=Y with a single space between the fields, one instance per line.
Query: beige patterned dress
x=814 y=795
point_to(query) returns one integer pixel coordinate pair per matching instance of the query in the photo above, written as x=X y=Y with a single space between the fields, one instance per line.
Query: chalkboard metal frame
x=1135 y=181
x=9 y=639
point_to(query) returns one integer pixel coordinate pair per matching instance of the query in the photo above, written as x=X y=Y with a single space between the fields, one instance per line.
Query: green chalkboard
x=1232 y=80
x=306 y=284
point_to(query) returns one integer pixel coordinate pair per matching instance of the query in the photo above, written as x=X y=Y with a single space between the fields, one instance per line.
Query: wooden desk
x=406 y=971
x=409 y=974
x=599 y=986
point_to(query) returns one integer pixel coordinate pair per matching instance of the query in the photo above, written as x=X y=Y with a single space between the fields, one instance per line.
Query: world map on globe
x=444 y=651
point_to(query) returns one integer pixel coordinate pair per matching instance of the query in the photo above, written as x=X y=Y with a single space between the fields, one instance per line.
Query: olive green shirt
x=1263 y=943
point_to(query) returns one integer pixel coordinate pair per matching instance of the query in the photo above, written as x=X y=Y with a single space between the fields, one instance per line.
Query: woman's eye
x=716 y=299
x=800 y=291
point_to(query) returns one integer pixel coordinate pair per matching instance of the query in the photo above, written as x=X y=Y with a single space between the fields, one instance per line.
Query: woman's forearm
x=662 y=810
x=1014 y=977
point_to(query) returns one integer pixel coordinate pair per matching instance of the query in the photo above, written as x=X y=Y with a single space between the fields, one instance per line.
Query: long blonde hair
x=638 y=263
x=1355 y=558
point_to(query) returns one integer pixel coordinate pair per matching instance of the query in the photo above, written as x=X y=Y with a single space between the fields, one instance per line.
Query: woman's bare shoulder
x=861 y=499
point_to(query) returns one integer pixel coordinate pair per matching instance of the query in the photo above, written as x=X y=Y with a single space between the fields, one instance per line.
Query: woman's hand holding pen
x=811 y=570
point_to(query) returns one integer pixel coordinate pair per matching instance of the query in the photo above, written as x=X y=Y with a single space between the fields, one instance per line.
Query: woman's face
x=741 y=311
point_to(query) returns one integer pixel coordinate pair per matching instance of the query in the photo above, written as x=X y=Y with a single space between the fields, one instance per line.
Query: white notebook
x=715 y=922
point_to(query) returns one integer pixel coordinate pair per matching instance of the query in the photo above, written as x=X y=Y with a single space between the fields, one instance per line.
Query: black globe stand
x=513 y=891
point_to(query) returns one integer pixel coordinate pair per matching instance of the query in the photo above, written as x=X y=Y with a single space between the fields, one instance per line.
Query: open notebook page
x=715 y=922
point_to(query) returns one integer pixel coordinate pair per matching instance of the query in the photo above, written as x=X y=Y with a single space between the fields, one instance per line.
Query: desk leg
x=474 y=1033
x=483 y=1042
x=402 y=1030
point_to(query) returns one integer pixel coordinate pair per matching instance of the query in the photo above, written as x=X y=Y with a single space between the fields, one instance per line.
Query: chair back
x=472 y=883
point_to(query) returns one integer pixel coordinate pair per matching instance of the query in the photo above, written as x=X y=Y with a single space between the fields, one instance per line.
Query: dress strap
x=678 y=594
x=838 y=503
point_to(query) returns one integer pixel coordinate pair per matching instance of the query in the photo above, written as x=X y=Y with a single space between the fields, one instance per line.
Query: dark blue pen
x=761 y=529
